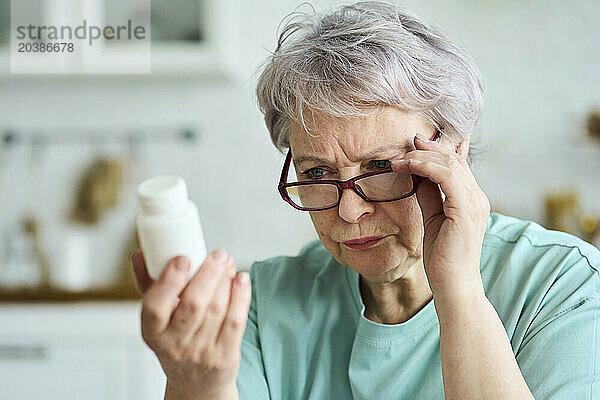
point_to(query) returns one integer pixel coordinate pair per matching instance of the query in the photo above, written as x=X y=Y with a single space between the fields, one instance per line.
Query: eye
x=314 y=173
x=380 y=164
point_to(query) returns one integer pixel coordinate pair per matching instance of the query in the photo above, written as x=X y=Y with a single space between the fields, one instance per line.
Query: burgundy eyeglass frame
x=341 y=185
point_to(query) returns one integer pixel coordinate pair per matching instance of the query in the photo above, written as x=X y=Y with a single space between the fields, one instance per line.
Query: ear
x=463 y=148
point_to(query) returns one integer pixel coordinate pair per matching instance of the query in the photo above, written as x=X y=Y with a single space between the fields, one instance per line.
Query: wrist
x=459 y=303
x=182 y=392
x=448 y=290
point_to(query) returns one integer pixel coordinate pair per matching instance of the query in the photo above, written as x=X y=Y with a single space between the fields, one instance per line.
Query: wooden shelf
x=56 y=295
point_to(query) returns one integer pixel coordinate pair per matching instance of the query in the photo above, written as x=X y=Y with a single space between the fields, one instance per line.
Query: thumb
x=143 y=280
x=429 y=197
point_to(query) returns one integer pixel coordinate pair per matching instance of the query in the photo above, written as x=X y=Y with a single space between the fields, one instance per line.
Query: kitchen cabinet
x=195 y=39
x=83 y=350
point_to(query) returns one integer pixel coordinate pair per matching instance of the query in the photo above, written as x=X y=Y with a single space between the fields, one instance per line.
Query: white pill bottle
x=168 y=224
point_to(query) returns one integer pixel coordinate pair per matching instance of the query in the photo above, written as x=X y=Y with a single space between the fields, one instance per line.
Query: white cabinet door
x=145 y=377
x=79 y=351
x=33 y=370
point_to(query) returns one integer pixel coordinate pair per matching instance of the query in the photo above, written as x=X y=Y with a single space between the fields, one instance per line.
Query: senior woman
x=414 y=290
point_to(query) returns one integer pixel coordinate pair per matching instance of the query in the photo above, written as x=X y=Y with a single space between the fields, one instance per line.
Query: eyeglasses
x=378 y=187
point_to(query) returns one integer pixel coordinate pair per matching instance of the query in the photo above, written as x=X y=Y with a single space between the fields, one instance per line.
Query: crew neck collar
x=385 y=333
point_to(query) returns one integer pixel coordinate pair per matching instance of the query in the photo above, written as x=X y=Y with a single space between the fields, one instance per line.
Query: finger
x=430 y=199
x=429 y=194
x=142 y=279
x=428 y=190
x=463 y=148
x=234 y=325
x=452 y=158
x=162 y=297
x=400 y=163
x=443 y=146
x=216 y=310
x=196 y=297
x=449 y=182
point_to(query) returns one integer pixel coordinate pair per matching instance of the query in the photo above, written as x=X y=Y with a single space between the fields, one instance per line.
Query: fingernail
x=423 y=138
x=243 y=278
x=415 y=161
x=181 y=263
x=220 y=255
x=397 y=161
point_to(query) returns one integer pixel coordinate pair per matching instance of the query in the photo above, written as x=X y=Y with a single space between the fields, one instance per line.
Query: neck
x=398 y=296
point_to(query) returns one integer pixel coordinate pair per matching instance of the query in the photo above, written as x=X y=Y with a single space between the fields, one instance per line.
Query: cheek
x=406 y=215
x=323 y=221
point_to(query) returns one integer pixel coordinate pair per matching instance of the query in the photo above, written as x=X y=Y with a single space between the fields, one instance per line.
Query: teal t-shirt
x=307 y=336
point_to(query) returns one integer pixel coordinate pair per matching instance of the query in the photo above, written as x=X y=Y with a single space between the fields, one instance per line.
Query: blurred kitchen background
x=74 y=146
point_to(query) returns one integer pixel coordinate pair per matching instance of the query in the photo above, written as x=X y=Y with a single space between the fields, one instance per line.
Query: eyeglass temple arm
x=286 y=167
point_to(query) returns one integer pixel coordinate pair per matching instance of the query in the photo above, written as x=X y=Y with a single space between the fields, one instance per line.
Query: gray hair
x=361 y=56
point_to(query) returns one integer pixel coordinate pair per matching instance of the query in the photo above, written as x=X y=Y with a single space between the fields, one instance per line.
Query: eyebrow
x=369 y=155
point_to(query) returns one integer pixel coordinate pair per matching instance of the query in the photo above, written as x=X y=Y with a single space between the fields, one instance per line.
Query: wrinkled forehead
x=385 y=126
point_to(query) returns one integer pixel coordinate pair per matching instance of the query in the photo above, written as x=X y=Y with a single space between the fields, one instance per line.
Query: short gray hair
x=368 y=54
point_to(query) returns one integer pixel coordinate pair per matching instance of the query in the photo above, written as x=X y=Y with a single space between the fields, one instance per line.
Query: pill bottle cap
x=162 y=193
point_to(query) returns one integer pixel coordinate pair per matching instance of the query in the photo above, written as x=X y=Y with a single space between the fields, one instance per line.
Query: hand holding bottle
x=196 y=327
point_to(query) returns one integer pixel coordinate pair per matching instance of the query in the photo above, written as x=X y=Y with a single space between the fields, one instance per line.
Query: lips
x=364 y=242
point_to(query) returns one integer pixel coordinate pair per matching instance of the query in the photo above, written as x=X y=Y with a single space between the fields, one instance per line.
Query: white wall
x=539 y=64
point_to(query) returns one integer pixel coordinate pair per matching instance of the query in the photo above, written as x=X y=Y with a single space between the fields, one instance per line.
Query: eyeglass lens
x=380 y=187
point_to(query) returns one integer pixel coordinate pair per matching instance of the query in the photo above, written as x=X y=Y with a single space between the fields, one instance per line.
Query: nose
x=352 y=207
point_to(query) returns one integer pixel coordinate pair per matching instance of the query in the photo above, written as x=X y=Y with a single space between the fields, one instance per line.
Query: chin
x=376 y=259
